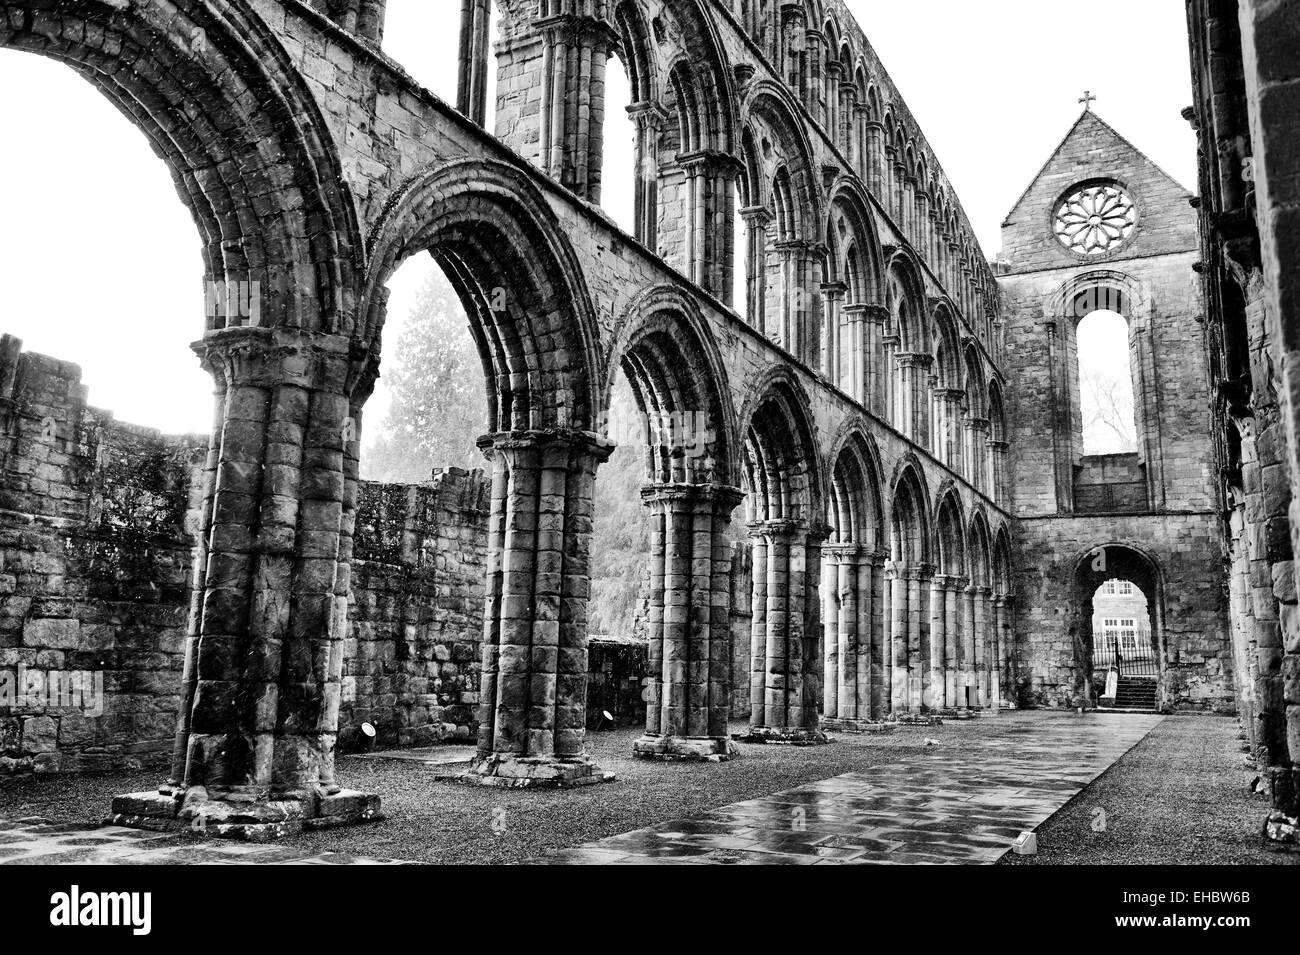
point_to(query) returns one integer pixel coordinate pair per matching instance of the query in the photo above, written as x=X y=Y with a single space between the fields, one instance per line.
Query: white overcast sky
x=100 y=260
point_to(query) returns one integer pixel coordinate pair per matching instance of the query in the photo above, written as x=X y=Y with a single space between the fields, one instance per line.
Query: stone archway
x=254 y=750
x=1117 y=562
x=784 y=510
x=677 y=379
x=497 y=240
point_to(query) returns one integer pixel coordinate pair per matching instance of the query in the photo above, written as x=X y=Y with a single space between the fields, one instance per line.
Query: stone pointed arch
x=221 y=103
x=906 y=299
x=781 y=461
x=981 y=548
x=850 y=226
x=950 y=547
x=518 y=278
x=855 y=505
x=910 y=513
x=669 y=356
x=771 y=107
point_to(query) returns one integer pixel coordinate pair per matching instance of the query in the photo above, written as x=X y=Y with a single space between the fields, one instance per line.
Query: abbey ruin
x=891 y=414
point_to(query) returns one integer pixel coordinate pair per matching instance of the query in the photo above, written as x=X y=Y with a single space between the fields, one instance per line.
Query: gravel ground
x=1180 y=797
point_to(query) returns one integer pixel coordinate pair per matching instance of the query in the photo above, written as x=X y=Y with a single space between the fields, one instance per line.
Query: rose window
x=1095 y=219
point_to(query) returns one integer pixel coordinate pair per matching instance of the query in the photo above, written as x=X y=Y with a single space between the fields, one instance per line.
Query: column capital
x=834 y=290
x=710 y=161
x=918 y=571
x=265 y=356
x=578 y=24
x=791 y=246
x=778 y=528
x=585 y=442
x=842 y=551
x=950 y=394
x=756 y=215
x=978 y=424
x=720 y=494
x=648 y=112
x=999 y=445
x=912 y=359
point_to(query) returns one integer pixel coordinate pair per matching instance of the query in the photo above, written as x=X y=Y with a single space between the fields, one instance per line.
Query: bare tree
x=1107 y=403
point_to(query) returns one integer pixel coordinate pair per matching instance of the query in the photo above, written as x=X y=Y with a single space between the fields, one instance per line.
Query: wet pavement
x=958 y=803
x=963 y=800
x=35 y=841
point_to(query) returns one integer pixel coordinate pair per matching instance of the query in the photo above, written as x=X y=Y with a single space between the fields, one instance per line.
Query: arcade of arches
x=892 y=419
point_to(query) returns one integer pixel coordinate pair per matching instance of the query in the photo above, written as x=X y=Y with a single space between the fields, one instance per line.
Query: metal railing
x=1139 y=662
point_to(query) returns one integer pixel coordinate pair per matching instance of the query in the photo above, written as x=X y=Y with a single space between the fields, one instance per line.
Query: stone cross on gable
x=1087 y=100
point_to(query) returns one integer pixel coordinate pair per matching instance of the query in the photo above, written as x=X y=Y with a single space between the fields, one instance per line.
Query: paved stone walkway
x=961 y=803
x=42 y=842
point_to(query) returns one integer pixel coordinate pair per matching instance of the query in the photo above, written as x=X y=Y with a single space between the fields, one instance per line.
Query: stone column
x=848 y=109
x=263 y=659
x=873 y=699
x=833 y=332
x=875 y=135
x=859 y=156
x=810 y=85
x=907 y=214
x=846 y=677
x=834 y=70
x=966 y=677
x=688 y=622
x=648 y=118
x=756 y=223
x=784 y=709
x=874 y=372
x=472 y=73
x=796 y=310
x=889 y=386
x=938 y=641
x=983 y=597
x=710 y=227
x=1000 y=651
x=831 y=598
x=855 y=352
x=532 y=716
x=952 y=652
x=898 y=630
x=921 y=218
x=918 y=637
x=758 y=624
x=998 y=491
x=575 y=51
x=975 y=452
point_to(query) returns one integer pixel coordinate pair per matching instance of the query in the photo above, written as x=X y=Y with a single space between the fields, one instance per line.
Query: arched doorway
x=1119 y=649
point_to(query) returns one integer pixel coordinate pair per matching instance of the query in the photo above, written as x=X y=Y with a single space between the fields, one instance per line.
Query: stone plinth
x=241 y=817
x=541 y=772
x=684 y=748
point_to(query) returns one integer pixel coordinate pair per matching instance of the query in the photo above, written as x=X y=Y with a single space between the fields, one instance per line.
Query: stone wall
x=412 y=657
x=1190 y=600
x=96 y=519
x=1154 y=509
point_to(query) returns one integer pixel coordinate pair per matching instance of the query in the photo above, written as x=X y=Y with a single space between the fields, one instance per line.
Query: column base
x=711 y=749
x=244 y=818
x=843 y=725
x=928 y=718
x=542 y=772
x=1281 y=828
x=768 y=735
